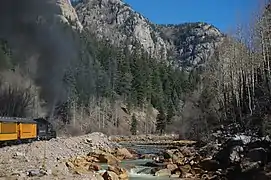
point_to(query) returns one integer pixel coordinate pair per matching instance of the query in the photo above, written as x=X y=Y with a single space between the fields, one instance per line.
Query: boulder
x=94 y=167
x=235 y=154
x=209 y=164
x=187 y=151
x=123 y=153
x=98 y=177
x=108 y=158
x=173 y=154
x=257 y=154
x=247 y=166
x=110 y=175
x=185 y=169
x=36 y=172
x=121 y=172
x=197 y=171
x=188 y=176
x=132 y=151
x=70 y=165
x=124 y=176
x=172 y=167
x=168 y=154
x=163 y=172
x=177 y=171
x=115 y=169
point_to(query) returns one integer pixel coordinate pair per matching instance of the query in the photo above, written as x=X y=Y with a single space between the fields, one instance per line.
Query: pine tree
x=124 y=75
x=170 y=112
x=147 y=70
x=138 y=86
x=133 y=128
x=161 y=122
x=157 y=89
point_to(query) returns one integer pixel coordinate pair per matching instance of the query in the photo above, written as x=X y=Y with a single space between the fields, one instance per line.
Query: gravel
x=48 y=157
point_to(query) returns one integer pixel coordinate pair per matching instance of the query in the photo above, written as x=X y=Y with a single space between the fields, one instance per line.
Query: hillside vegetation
x=68 y=64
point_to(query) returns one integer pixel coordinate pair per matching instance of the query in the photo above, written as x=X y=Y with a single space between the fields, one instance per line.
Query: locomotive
x=15 y=130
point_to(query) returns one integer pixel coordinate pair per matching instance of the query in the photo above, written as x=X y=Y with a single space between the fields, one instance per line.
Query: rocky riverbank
x=236 y=158
x=50 y=159
x=224 y=156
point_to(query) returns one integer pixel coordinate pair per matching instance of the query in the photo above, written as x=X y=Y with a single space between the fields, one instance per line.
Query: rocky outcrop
x=190 y=44
x=238 y=156
x=68 y=14
x=120 y=24
x=89 y=163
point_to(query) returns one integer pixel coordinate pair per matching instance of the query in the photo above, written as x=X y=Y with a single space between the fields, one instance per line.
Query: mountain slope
x=49 y=47
x=43 y=36
x=191 y=44
x=95 y=85
x=188 y=44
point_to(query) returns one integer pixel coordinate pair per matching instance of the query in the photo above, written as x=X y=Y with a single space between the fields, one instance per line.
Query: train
x=14 y=130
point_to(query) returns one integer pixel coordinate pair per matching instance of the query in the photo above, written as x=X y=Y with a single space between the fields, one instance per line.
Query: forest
x=234 y=87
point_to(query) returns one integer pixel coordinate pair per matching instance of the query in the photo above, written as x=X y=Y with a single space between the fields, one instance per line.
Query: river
x=135 y=168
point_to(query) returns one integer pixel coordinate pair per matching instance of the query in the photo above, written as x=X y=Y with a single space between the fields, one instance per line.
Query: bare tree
x=18 y=95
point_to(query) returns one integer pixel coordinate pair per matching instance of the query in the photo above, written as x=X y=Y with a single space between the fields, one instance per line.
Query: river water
x=135 y=168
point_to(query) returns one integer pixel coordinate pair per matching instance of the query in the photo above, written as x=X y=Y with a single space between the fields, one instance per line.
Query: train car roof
x=41 y=120
x=16 y=119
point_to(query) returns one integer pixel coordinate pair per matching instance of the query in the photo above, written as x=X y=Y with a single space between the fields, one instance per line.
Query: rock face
x=69 y=14
x=116 y=21
x=190 y=44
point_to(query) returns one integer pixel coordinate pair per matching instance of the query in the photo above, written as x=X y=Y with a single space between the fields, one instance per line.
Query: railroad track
x=16 y=143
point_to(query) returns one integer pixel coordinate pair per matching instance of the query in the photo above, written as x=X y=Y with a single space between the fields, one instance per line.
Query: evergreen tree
x=133 y=128
x=161 y=122
x=138 y=86
x=170 y=112
x=147 y=70
x=137 y=79
x=157 y=89
x=124 y=77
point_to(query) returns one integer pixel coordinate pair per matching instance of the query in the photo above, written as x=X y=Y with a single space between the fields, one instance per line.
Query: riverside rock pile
x=88 y=165
x=47 y=159
x=230 y=156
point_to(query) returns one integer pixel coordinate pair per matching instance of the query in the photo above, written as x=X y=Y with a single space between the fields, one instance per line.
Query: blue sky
x=223 y=14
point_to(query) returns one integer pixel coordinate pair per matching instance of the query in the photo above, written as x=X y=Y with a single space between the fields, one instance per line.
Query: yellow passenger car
x=28 y=130
x=13 y=129
x=8 y=129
